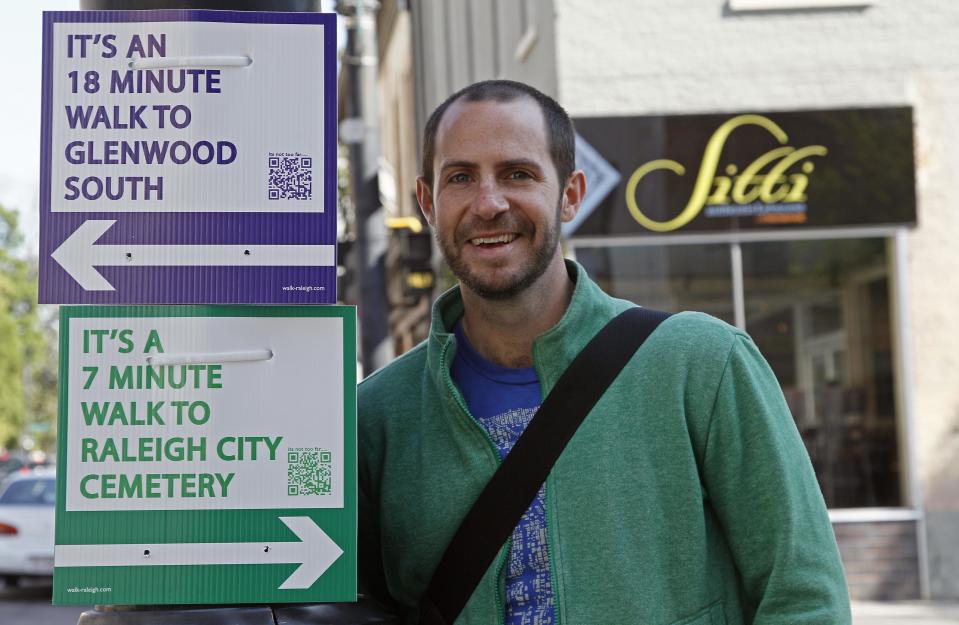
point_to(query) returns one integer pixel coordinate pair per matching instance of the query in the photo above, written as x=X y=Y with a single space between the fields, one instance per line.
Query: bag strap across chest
x=499 y=507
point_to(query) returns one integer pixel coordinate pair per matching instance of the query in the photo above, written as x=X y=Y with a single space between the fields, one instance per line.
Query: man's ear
x=573 y=195
x=424 y=195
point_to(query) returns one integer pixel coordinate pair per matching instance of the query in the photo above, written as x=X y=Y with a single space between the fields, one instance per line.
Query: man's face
x=496 y=202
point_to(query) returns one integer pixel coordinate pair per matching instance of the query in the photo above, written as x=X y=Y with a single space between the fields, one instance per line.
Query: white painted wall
x=647 y=57
x=669 y=56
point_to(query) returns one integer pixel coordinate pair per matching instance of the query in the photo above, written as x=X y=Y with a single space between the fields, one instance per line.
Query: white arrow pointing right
x=315 y=552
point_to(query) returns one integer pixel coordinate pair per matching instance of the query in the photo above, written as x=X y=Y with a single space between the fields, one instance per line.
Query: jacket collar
x=589 y=310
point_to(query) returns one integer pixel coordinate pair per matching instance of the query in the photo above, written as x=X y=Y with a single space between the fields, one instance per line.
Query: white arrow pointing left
x=315 y=552
x=78 y=255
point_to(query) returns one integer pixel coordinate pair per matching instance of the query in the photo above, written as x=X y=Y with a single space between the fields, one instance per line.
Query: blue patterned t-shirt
x=503 y=400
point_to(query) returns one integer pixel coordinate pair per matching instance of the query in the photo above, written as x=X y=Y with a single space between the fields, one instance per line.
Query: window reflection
x=819 y=311
x=671 y=278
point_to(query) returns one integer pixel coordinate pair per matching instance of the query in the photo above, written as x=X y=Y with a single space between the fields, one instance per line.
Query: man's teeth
x=502 y=238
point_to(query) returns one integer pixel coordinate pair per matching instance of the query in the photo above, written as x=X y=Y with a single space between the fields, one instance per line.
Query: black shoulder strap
x=490 y=522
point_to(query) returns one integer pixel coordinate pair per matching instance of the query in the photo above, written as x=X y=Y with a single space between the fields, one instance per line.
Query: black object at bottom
x=360 y=613
x=494 y=515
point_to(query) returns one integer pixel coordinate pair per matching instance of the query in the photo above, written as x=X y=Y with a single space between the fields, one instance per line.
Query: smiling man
x=685 y=497
x=495 y=198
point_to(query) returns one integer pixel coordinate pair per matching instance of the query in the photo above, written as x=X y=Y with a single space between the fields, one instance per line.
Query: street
x=31 y=604
x=905 y=612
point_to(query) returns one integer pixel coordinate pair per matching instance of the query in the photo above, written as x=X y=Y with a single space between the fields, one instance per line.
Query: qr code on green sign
x=309 y=471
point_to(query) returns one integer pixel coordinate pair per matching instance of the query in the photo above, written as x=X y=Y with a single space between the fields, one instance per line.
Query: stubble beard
x=523 y=277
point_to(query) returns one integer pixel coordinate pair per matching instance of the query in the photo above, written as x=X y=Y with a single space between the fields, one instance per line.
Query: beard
x=509 y=281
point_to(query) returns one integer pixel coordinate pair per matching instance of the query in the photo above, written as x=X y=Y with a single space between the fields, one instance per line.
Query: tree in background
x=28 y=382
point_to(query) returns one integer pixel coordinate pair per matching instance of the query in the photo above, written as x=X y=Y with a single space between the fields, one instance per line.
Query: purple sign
x=188 y=157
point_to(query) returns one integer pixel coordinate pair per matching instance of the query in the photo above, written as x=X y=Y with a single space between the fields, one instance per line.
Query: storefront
x=791 y=226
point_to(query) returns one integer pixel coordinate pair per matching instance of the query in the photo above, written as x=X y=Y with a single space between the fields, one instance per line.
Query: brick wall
x=880 y=559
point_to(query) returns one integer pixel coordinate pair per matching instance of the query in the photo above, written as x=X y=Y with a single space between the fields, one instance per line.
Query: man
x=685 y=497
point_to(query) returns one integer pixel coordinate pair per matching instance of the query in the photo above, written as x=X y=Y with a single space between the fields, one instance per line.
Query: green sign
x=206 y=455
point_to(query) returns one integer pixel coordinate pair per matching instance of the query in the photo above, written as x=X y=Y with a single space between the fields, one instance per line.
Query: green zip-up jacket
x=685 y=498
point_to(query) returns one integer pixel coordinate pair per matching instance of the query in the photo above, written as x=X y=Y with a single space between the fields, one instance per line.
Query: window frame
x=896 y=256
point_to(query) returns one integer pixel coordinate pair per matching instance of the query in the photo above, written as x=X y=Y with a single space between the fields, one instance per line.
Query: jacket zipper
x=501 y=583
x=500 y=579
x=550 y=552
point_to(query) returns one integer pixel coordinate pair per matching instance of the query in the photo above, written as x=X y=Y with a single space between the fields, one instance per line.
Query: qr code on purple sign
x=291 y=176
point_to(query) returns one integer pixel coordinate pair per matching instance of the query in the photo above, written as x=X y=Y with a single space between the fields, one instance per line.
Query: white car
x=27 y=510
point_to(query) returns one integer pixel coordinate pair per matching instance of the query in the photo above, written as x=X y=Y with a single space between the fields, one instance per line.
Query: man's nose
x=490 y=200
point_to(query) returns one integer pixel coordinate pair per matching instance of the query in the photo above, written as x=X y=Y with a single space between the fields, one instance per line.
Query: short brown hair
x=559 y=127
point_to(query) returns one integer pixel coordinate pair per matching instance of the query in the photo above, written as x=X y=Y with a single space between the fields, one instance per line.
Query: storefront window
x=677 y=277
x=819 y=312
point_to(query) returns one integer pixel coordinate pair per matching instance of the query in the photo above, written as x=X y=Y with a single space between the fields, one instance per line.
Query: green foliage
x=27 y=346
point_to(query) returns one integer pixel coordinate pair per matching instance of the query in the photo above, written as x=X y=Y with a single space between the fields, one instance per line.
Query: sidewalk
x=905 y=613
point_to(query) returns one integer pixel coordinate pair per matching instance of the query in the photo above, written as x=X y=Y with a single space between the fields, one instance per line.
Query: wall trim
x=794 y=5
x=874 y=515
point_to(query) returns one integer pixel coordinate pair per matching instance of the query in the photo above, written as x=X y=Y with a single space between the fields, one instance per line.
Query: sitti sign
x=770 y=185
x=754 y=170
